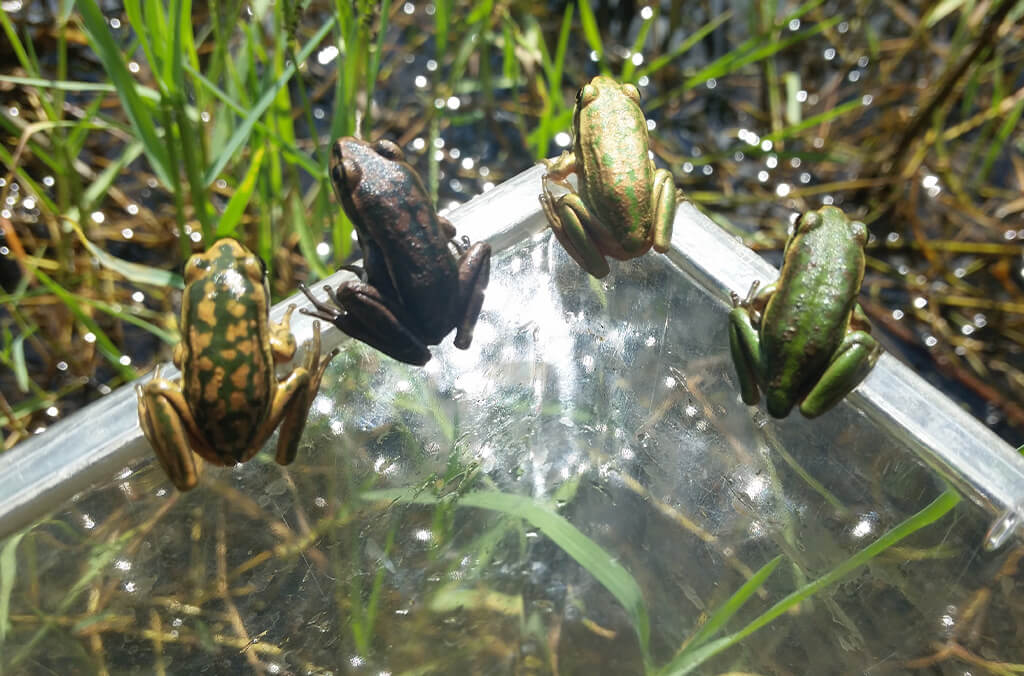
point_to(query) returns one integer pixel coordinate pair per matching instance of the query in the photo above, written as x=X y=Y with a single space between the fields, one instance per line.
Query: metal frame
x=101 y=440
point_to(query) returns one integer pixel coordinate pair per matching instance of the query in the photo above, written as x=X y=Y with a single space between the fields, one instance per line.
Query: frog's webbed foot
x=292 y=401
x=474 y=273
x=853 y=360
x=321 y=309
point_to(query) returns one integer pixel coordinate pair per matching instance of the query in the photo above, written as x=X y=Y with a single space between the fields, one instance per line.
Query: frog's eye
x=390 y=150
x=263 y=266
x=195 y=267
x=632 y=92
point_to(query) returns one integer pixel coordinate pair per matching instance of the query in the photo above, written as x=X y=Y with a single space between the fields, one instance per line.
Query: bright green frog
x=413 y=290
x=229 y=400
x=623 y=204
x=805 y=340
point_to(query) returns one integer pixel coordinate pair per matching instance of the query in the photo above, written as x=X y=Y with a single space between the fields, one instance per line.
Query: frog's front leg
x=292 y=398
x=474 y=273
x=856 y=355
x=559 y=168
x=568 y=217
x=745 y=340
x=362 y=312
x=663 y=201
x=282 y=341
x=167 y=422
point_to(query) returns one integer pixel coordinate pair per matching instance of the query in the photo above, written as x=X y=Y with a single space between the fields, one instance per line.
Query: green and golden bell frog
x=229 y=400
x=804 y=339
x=622 y=205
x=413 y=289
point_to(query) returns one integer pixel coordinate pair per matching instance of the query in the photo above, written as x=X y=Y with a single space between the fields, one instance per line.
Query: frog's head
x=603 y=84
x=372 y=178
x=226 y=254
x=835 y=219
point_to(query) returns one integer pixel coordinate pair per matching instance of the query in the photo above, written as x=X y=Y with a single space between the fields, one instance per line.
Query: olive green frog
x=623 y=205
x=416 y=283
x=229 y=400
x=804 y=339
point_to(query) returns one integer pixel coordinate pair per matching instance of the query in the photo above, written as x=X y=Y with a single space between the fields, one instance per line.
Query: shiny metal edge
x=103 y=439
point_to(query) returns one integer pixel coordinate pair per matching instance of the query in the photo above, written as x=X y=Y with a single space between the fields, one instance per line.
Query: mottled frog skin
x=805 y=340
x=624 y=205
x=413 y=290
x=229 y=400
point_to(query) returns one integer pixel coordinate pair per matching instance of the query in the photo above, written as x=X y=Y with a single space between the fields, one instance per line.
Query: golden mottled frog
x=229 y=400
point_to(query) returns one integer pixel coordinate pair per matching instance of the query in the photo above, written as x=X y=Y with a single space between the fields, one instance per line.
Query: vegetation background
x=136 y=132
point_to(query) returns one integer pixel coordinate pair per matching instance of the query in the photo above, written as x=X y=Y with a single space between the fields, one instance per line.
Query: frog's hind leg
x=856 y=355
x=474 y=273
x=363 y=313
x=563 y=214
x=168 y=424
x=292 y=401
x=745 y=340
x=664 y=199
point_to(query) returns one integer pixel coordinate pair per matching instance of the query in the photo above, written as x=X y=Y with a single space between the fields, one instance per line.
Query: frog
x=804 y=339
x=623 y=205
x=229 y=400
x=417 y=282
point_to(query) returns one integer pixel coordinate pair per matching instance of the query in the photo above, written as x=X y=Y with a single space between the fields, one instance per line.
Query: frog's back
x=226 y=363
x=618 y=178
x=423 y=270
x=806 y=318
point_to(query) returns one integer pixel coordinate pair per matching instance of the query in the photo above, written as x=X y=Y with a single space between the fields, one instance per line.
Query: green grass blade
x=135 y=272
x=1001 y=140
x=591 y=33
x=15 y=42
x=290 y=151
x=105 y=346
x=733 y=61
x=228 y=222
x=628 y=67
x=687 y=661
x=686 y=45
x=138 y=113
x=99 y=188
x=18 y=364
x=130 y=316
x=241 y=134
x=8 y=574
x=595 y=560
x=733 y=604
x=307 y=241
